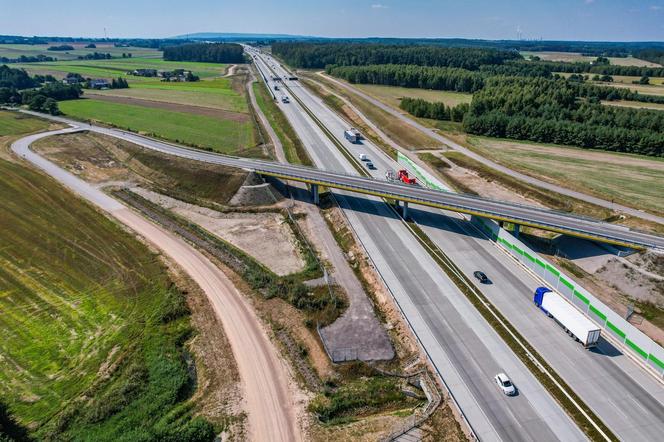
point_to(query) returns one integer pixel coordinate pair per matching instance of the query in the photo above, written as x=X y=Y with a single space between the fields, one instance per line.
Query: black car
x=481 y=277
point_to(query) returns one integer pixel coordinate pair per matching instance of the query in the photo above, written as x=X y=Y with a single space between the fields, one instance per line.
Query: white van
x=363 y=157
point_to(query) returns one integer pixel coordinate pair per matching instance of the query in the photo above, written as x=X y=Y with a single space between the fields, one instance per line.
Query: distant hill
x=241 y=36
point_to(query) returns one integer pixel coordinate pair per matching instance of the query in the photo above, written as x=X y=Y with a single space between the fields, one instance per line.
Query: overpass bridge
x=520 y=215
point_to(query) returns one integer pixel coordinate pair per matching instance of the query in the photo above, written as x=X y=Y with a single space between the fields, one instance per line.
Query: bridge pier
x=314 y=193
x=405 y=210
x=516 y=230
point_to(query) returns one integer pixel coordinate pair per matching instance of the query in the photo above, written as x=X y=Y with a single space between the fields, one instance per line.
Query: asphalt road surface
x=465 y=350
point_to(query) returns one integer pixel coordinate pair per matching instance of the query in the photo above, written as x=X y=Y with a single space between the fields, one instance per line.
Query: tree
x=51 y=106
x=642 y=80
x=37 y=103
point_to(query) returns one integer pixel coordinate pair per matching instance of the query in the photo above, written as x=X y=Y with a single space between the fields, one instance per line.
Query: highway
x=465 y=350
x=499 y=167
x=624 y=396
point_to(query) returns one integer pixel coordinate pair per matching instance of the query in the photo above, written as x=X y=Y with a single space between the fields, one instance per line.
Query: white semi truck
x=575 y=323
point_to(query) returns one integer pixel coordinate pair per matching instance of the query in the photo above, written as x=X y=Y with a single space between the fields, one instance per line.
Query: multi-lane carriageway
x=499 y=210
x=622 y=394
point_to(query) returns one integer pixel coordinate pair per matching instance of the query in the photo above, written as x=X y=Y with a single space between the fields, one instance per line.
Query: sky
x=598 y=20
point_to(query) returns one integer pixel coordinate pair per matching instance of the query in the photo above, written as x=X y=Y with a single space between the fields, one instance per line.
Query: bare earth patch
x=265 y=236
x=176 y=107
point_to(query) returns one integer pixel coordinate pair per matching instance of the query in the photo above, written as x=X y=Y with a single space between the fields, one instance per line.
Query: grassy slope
x=630 y=179
x=78 y=293
x=392 y=95
x=198 y=130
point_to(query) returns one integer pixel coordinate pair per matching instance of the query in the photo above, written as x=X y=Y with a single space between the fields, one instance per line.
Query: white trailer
x=575 y=323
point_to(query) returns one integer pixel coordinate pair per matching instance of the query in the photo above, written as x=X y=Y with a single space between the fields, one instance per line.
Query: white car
x=505 y=384
x=363 y=157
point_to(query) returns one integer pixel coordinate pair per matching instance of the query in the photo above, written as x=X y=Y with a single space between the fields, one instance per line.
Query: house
x=98 y=83
x=70 y=80
x=144 y=72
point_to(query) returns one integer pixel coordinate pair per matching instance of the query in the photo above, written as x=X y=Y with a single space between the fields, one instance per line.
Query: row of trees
x=602 y=69
x=27 y=59
x=449 y=79
x=319 y=55
x=654 y=55
x=462 y=80
x=436 y=111
x=61 y=48
x=205 y=52
x=555 y=111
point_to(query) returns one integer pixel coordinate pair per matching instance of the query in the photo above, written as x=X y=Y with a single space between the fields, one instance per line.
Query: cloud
x=655 y=8
x=589 y=2
x=379 y=6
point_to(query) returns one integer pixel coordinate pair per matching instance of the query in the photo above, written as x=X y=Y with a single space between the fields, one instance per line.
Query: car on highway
x=363 y=157
x=285 y=100
x=370 y=165
x=505 y=385
x=481 y=277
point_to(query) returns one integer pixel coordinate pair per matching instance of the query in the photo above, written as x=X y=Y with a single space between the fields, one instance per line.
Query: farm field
x=632 y=180
x=16 y=50
x=575 y=56
x=118 y=67
x=217 y=94
x=226 y=136
x=392 y=95
x=634 y=104
x=71 y=313
x=645 y=89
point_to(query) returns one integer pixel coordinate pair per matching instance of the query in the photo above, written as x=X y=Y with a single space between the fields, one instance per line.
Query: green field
x=224 y=136
x=632 y=180
x=91 y=330
x=392 y=95
x=572 y=57
x=13 y=123
x=118 y=67
x=634 y=104
x=217 y=94
x=16 y=50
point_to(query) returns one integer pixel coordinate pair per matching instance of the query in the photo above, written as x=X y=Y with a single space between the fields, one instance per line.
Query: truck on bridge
x=575 y=323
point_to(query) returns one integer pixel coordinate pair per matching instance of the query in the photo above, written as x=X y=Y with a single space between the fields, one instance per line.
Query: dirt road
x=268 y=400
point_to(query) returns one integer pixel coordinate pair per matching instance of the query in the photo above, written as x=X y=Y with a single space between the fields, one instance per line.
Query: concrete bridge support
x=314 y=194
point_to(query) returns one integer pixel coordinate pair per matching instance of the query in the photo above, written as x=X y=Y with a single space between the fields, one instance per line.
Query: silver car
x=505 y=384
